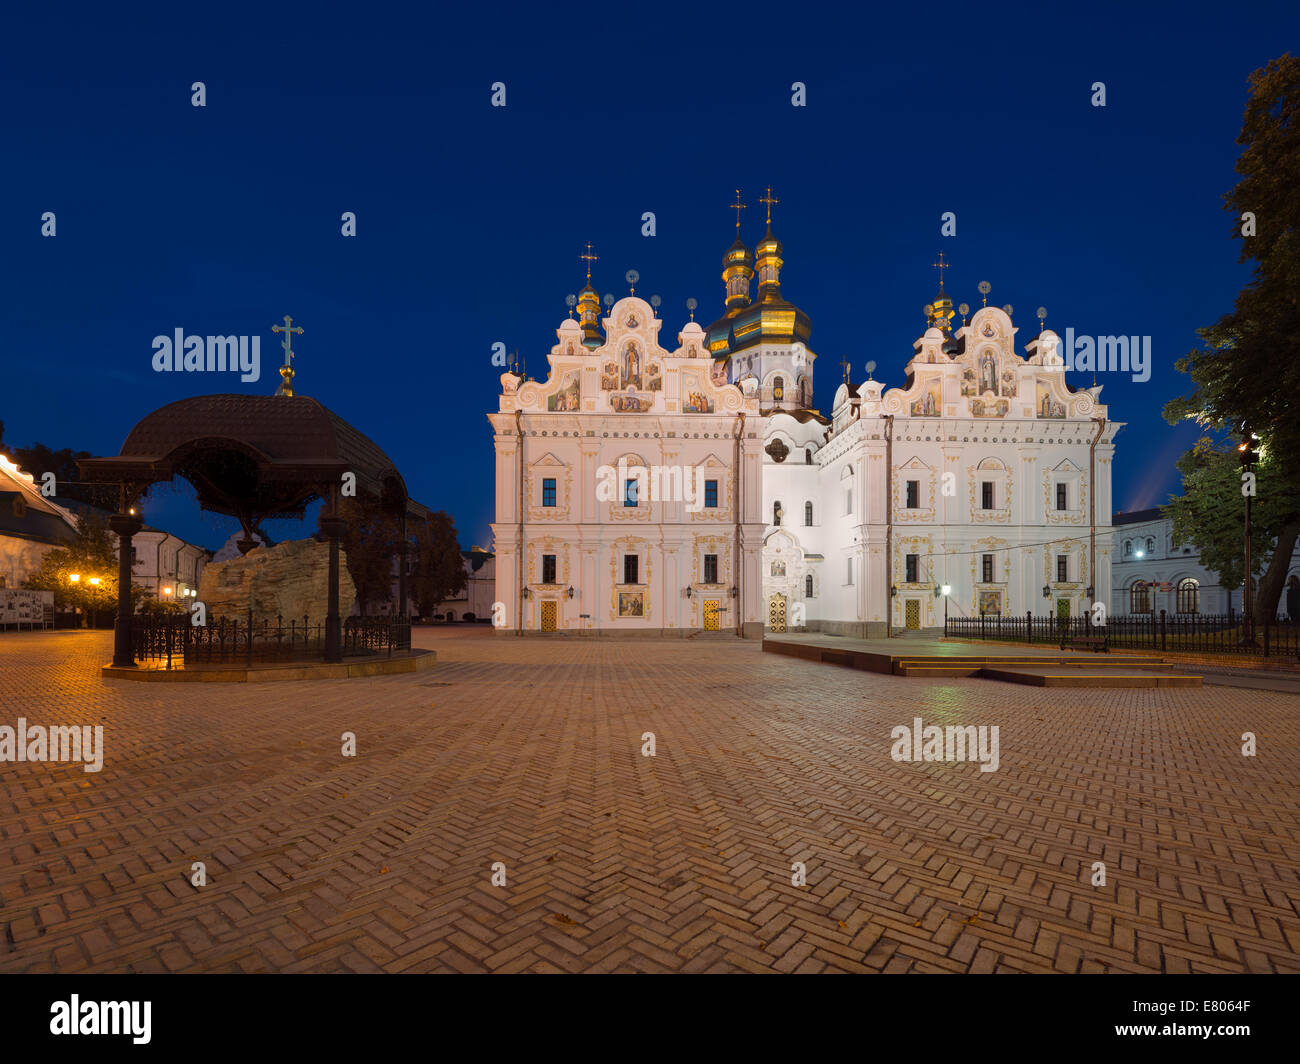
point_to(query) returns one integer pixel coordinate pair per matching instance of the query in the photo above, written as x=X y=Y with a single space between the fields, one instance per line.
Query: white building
x=984 y=472
x=583 y=541
x=1145 y=555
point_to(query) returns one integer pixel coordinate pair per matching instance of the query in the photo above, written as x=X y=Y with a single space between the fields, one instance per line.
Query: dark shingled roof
x=1137 y=516
x=290 y=444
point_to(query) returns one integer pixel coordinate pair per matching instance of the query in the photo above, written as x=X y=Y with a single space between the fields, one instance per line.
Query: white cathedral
x=653 y=487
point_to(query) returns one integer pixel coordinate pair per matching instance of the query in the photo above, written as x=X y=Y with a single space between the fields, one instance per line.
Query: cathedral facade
x=647 y=489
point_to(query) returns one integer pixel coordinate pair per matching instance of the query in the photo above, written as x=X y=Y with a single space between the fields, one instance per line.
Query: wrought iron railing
x=252 y=640
x=1201 y=633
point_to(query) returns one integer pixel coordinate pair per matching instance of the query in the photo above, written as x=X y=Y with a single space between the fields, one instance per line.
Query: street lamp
x=947 y=593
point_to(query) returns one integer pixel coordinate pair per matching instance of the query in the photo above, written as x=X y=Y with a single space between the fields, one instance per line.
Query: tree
x=370 y=542
x=1211 y=516
x=1243 y=379
x=439 y=571
x=93 y=560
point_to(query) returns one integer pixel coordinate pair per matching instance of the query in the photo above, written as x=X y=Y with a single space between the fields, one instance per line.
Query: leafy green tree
x=1211 y=515
x=370 y=543
x=1243 y=380
x=439 y=568
x=93 y=560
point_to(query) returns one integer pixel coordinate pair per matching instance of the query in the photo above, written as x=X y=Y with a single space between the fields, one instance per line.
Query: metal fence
x=1202 y=633
x=256 y=641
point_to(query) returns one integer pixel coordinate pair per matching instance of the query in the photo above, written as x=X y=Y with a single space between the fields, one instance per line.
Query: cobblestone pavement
x=528 y=752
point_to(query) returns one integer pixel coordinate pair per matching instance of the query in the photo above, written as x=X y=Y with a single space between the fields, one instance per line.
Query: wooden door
x=710 y=615
x=548 y=616
x=914 y=613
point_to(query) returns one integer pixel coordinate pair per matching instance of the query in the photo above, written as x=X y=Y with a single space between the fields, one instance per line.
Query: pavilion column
x=333 y=527
x=126 y=526
x=403 y=551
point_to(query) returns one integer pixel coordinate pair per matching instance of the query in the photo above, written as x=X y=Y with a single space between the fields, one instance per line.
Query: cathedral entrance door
x=776 y=613
x=1062 y=609
x=914 y=613
x=710 y=615
x=548 y=616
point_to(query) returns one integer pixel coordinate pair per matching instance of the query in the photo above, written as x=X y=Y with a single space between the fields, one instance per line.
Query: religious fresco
x=631 y=604
x=654 y=378
x=928 y=404
x=695 y=399
x=567 y=398
x=989 y=407
x=988 y=373
x=718 y=374
x=1047 y=406
x=778 y=568
x=609 y=377
x=630 y=367
x=968 y=381
x=990 y=602
x=1009 y=383
x=630 y=403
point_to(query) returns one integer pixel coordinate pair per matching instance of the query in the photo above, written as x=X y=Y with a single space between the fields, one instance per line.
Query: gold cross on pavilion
x=286 y=371
x=771 y=201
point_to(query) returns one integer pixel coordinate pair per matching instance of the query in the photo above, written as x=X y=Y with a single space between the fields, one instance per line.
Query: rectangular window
x=710 y=568
x=548 y=491
x=1062 y=496
x=988 y=568
x=1062 y=568
x=986 y=495
x=629 y=492
x=711 y=494
x=913 y=565
x=913 y=494
x=548 y=568
x=630 y=563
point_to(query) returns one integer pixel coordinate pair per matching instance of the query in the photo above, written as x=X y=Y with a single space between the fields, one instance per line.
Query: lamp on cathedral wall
x=687 y=590
x=527 y=592
x=1047 y=591
x=569 y=592
x=734 y=591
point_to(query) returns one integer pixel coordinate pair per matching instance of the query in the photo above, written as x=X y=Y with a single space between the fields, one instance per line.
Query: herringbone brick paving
x=528 y=752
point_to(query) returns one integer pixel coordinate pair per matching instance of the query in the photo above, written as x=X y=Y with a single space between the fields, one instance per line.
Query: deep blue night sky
x=470 y=219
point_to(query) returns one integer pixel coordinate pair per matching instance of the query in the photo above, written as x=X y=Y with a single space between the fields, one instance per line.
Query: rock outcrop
x=290 y=580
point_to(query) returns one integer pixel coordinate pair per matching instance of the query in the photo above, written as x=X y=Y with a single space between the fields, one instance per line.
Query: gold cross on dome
x=941 y=266
x=738 y=207
x=591 y=257
x=770 y=200
x=288 y=328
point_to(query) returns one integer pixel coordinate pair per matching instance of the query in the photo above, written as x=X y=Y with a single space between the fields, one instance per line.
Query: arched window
x=1151 y=544
x=1128 y=547
x=1139 y=599
x=807 y=514
x=807 y=586
x=778 y=388
x=807 y=456
x=776 y=513
x=1188 y=596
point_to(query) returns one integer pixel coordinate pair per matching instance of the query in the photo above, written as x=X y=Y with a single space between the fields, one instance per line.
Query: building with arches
x=983 y=471
x=1145 y=554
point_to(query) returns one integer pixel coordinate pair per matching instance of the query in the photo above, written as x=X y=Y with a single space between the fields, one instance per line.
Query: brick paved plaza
x=528 y=752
